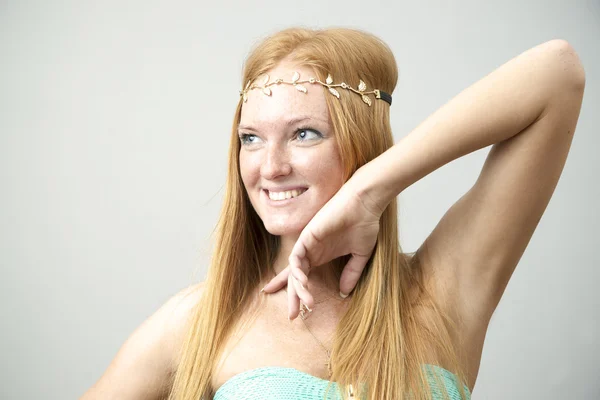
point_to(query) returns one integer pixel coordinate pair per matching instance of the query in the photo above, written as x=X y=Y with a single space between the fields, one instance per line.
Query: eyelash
x=308 y=128
x=244 y=136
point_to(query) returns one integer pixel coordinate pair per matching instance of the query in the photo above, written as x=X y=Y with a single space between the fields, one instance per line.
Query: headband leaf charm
x=331 y=87
x=362 y=86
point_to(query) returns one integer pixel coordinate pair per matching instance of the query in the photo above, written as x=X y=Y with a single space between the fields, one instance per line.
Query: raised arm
x=144 y=366
x=527 y=109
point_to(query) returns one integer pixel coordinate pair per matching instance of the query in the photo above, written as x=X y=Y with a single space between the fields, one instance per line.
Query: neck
x=321 y=279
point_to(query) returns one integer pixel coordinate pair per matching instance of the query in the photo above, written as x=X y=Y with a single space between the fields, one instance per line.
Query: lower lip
x=276 y=203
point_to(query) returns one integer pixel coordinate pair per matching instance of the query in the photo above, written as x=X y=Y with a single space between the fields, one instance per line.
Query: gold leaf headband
x=297 y=83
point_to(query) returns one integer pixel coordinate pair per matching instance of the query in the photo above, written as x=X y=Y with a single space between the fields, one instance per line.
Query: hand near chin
x=344 y=226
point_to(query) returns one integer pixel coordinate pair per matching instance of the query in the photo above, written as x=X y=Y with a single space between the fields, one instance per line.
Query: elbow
x=569 y=69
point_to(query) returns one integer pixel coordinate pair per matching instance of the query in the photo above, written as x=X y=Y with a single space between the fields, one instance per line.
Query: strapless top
x=281 y=383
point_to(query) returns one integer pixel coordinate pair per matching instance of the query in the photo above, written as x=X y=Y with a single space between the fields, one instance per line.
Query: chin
x=278 y=230
x=283 y=228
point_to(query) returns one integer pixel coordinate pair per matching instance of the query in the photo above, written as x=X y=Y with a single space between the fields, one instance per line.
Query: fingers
x=351 y=273
x=298 y=262
x=300 y=281
x=293 y=300
x=296 y=289
x=303 y=294
x=278 y=282
x=299 y=278
x=299 y=268
x=299 y=250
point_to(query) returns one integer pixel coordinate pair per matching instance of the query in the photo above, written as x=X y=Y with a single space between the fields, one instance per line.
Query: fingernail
x=342 y=295
x=263 y=289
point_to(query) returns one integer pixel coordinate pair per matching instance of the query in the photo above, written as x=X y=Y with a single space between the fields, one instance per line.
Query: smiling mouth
x=289 y=194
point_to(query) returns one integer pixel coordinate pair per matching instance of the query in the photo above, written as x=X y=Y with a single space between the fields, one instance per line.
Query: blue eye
x=308 y=134
x=248 y=138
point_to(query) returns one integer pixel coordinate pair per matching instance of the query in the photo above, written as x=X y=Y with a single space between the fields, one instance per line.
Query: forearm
x=494 y=109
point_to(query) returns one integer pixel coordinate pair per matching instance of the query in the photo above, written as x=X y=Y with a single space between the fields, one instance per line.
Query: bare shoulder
x=174 y=315
x=144 y=366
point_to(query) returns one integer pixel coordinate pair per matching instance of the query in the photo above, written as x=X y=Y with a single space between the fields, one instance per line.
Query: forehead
x=285 y=102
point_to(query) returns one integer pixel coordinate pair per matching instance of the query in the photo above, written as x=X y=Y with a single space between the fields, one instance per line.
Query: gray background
x=114 y=124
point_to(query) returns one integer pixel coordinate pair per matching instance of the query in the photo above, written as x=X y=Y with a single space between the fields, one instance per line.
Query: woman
x=310 y=208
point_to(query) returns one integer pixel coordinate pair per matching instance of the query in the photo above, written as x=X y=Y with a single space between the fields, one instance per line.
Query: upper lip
x=285 y=188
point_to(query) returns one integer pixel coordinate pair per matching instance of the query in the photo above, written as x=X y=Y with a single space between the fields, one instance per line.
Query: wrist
x=369 y=185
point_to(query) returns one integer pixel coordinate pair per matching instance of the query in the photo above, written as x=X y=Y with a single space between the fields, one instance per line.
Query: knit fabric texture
x=280 y=383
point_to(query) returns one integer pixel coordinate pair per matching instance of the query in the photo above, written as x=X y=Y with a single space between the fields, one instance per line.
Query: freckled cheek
x=249 y=169
x=323 y=171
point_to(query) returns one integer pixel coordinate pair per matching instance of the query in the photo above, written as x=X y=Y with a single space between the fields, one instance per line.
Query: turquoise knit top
x=280 y=383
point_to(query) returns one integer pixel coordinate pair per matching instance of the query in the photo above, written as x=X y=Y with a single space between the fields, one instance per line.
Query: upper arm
x=143 y=367
x=477 y=244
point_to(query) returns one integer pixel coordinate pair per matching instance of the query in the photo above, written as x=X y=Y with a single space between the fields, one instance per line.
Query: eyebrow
x=289 y=122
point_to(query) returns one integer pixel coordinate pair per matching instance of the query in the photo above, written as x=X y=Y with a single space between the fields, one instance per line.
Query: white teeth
x=285 y=195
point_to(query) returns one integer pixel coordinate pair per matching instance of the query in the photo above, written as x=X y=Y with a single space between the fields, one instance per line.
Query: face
x=289 y=160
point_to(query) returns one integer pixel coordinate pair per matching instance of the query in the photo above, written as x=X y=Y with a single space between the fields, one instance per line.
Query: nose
x=276 y=163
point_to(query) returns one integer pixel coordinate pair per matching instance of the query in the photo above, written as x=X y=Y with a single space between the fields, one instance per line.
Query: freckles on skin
x=282 y=160
x=317 y=168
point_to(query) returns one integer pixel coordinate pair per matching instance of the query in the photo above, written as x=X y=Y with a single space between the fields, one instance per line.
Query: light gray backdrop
x=114 y=125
